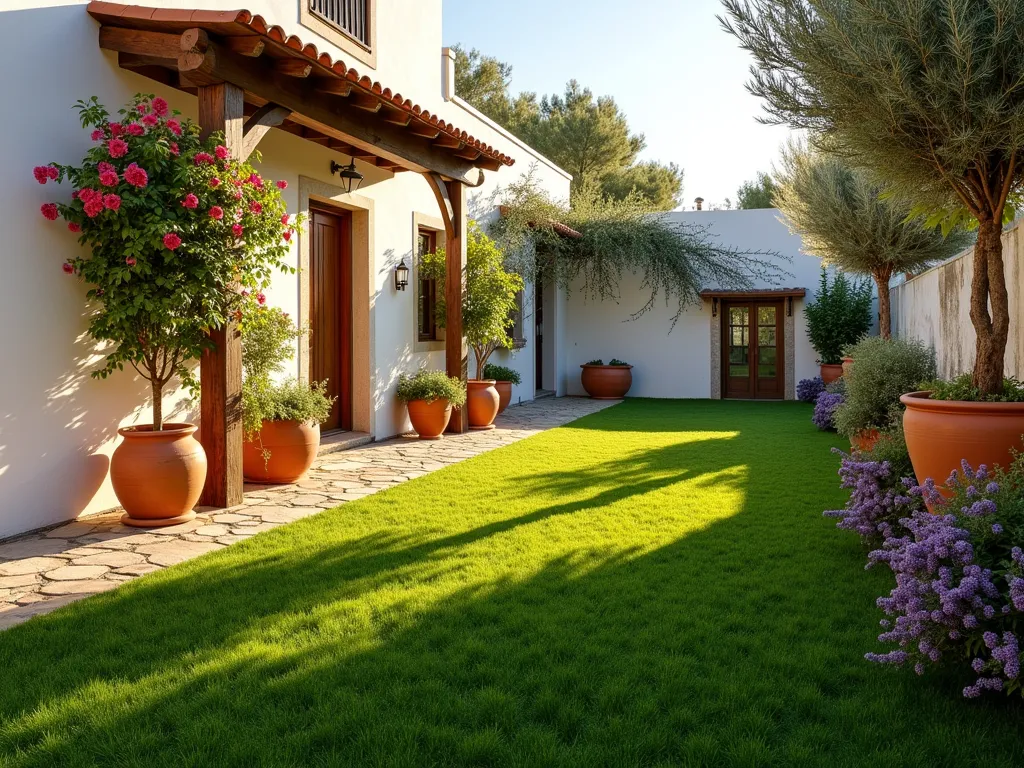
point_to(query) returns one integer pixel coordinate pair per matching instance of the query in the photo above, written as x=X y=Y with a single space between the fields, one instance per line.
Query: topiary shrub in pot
x=281 y=421
x=430 y=396
x=172 y=229
x=839 y=316
x=885 y=369
x=504 y=379
x=607 y=382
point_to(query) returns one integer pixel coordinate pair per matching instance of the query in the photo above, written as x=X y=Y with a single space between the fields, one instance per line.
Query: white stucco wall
x=677 y=364
x=58 y=426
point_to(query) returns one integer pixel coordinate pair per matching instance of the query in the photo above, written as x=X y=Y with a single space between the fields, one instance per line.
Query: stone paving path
x=42 y=571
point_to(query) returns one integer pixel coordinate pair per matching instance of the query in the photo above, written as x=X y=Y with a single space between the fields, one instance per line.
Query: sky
x=677 y=76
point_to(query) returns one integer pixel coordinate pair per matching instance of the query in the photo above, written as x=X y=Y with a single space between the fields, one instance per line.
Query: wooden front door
x=753 y=353
x=330 y=311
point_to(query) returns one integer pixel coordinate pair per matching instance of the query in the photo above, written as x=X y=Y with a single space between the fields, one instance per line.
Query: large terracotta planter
x=158 y=476
x=941 y=433
x=607 y=382
x=429 y=419
x=865 y=440
x=830 y=373
x=292 y=446
x=483 y=400
x=504 y=395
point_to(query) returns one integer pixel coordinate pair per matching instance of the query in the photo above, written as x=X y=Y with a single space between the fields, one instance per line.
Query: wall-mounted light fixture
x=714 y=306
x=789 y=306
x=401 y=276
x=350 y=177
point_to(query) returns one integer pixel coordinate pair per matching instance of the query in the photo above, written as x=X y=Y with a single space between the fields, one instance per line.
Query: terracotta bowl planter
x=504 y=395
x=429 y=419
x=830 y=373
x=292 y=445
x=607 y=382
x=483 y=400
x=158 y=476
x=865 y=440
x=941 y=433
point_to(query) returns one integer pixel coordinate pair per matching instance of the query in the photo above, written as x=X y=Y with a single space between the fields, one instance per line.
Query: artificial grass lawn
x=651 y=585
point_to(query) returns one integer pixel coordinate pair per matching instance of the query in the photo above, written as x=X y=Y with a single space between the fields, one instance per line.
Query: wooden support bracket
x=258 y=125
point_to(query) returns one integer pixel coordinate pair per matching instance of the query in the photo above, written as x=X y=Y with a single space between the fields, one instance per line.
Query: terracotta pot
x=482 y=399
x=429 y=419
x=504 y=395
x=865 y=440
x=158 y=476
x=941 y=433
x=830 y=373
x=847 y=362
x=292 y=446
x=607 y=382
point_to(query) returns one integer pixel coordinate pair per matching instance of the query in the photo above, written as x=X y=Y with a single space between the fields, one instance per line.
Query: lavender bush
x=807 y=390
x=825 y=408
x=879 y=499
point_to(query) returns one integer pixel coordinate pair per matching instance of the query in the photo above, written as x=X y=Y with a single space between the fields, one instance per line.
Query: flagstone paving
x=42 y=571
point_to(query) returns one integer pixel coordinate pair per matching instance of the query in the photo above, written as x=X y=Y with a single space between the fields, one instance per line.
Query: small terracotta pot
x=607 y=382
x=847 y=363
x=429 y=419
x=292 y=445
x=941 y=433
x=158 y=476
x=865 y=440
x=504 y=395
x=830 y=373
x=483 y=400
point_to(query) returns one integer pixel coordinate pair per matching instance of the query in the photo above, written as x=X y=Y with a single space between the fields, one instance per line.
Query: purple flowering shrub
x=825 y=410
x=879 y=498
x=807 y=390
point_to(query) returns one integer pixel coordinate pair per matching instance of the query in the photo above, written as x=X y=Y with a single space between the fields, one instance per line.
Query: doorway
x=330 y=311
x=538 y=319
x=753 y=351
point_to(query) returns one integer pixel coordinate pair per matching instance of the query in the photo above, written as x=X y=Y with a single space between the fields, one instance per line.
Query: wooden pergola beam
x=258 y=125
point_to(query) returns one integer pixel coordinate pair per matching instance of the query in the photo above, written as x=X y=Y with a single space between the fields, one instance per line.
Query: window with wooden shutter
x=517 y=333
x=426 y=299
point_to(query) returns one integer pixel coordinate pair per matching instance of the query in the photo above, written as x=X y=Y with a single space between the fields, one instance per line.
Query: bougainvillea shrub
x=807 y=390
x=173 y=229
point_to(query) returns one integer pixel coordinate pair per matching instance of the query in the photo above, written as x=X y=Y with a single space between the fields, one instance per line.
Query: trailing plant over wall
x=676 y=261
x=839 y=316
x=174 y=229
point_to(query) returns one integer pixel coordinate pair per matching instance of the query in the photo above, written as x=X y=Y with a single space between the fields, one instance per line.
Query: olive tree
x=927 y=94
x=840 y=214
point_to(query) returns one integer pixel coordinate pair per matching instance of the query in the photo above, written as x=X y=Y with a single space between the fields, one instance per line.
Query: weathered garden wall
x=935 y=307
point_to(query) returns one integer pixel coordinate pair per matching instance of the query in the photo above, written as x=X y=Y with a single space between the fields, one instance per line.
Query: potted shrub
x=429 y=396
x=885 y=369
x=281 y=421
x=837 y=318
x=173 y=229
x=607 y=382
x=504 y=379
x=488 y=303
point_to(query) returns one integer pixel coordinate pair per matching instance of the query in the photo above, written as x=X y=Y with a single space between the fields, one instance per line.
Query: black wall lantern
x=350 y=177
x=401 y=276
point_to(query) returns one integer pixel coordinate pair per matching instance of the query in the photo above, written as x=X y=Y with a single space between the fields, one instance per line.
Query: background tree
x=838 y=212
x=662 y=185
x=759 y=193
x=924 y=93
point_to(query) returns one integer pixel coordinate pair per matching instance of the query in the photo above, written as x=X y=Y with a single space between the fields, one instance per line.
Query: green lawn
x=652 y=585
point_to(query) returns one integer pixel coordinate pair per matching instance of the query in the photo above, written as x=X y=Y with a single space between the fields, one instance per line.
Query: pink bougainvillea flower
x=117 y=147
x=150 y=120
x=136 y=129
x=49 y=211
x=94 y=207
x=217 y=213
x=159 y=106
x=142 y=108
x=284 y=219
x=116 y=129
x=175 y=127
x=86 y=194
x=282 y=184
x=214 y=182
x=103 y=166
x=190 y=201
x=261 y=299
x=109 y=178
x=237 y=182
x=287 y=235
x=221 y=152
x=130 y=261
x=111 y=202
x=41 y=173
x=237 y=229
x=203 y=158
x=136 y=176
x=68 y=267
x=238 y=194
x=52 y=172
x=74 y=195
x=256 y=207
x=74 y=226
x=174 y=148
x=255 y=180
x=171 y=241
x=96 y=135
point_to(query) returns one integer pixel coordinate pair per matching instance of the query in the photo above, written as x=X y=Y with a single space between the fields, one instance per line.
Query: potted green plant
x=280 y=420
x=172 y=230
x=429 y=396
x=839 y=316
x=607 y=382
x=504 y=379
x=488 y=303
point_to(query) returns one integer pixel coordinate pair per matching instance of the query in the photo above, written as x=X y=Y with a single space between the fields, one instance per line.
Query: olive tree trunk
x=882 y=276
x=988 y=288
x=158 y=404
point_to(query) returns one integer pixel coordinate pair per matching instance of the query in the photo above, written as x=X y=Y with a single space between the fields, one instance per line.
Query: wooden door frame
x=780 y=344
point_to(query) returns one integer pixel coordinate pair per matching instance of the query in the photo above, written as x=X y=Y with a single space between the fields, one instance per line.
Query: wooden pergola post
x=221 y=108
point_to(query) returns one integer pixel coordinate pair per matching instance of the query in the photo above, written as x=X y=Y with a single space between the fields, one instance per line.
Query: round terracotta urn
x=830 y=373
x=483 y=400
x=607 y=382
x=429 y=419
x=942 y=433
x=504 y=395
x=865 y=440
x=291 y=448
x=158 y=476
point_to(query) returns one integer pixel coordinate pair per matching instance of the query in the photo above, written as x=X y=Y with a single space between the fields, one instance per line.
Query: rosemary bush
x=431 y=386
